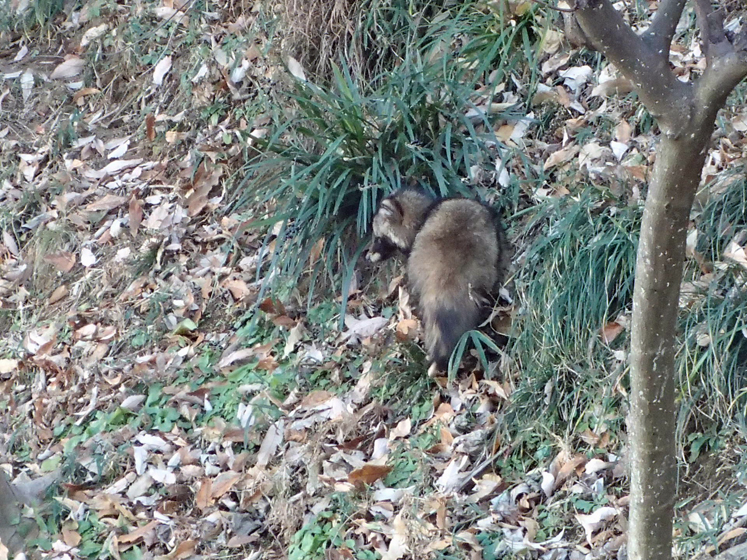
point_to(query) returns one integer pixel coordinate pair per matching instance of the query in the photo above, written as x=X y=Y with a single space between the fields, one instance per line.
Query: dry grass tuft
x=317 y=32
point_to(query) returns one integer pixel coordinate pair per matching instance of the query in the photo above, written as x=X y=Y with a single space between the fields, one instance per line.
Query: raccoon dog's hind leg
x=446 y=318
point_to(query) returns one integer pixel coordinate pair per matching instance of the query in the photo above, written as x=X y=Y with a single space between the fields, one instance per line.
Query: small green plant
x=479 y=341
x=404 y=387
x=407 y=469
x=325 y=530
x=699 y=523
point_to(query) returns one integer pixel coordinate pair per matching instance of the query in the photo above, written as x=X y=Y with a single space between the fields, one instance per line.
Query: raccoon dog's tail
x=446 y=317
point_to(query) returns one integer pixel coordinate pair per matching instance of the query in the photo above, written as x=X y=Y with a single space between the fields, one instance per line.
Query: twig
x=663 y=26
x=711 y=24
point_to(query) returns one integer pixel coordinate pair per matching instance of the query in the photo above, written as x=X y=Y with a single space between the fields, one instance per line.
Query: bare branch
x=711 y=24
x=726 y=62
x=574 y=34
x=660 y=33
x=721 y=76
x=649 y=72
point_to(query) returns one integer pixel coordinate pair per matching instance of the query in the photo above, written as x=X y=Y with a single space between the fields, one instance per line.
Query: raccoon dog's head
x=397 y=222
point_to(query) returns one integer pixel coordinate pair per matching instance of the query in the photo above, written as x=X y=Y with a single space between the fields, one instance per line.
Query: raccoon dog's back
x=456 y=261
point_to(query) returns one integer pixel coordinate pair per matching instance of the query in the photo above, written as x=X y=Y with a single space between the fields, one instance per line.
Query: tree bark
x=651 y=422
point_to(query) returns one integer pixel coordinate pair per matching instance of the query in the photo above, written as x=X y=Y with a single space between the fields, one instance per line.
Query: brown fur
x=457 y=260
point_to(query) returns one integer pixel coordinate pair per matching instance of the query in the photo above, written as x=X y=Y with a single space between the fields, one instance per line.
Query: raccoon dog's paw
x=381 y=249
x=433 y=370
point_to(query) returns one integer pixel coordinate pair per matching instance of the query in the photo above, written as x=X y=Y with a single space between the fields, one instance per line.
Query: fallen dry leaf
x=107 y=202
x=68 y=69
x=402 y=429
x=563 y=155
x=736 y=253
x=135 y=215
x=139 y=533
x=368 y=474
x=223 y=483
x=184 y=549
x=238 y=288
x=63 y=261
x=87 y=258
x=271 y=442
x=150 y=127
x=203 y=498
x=8 y=365
x=58 y=294
x=398 y=545
x=407 y=329
x=296 y=69
x=161 y=69
x=594 y=521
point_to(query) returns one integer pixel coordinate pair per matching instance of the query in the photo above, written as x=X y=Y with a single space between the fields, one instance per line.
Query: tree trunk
x=661 y=252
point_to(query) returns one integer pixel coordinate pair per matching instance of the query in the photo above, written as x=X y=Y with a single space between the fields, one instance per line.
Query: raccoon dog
x=457 y=255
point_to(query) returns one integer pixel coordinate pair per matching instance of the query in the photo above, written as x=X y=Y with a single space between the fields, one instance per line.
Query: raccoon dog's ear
x=390 y=208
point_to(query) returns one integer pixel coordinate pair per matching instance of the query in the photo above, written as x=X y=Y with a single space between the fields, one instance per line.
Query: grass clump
x=427 y=119
x=28 y=13
x=712 y=359
x=374 y=36
x=577 y=277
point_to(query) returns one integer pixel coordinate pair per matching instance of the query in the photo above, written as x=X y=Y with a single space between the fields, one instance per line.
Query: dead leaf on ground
x=223 y=483
x=362 y=328
x=736 y=253
x=407 y=329
x=150 y=127
x=58 y=294
x=270 y=305
x=184 y=549
x=137 y=534
x=161 y=69
x=238 y=288
x=368 y=474
x=8 y=365
x=87 y=258
x=594 y=521
x=398 y=545
x=203 y=498
x=135 y=214
x=563 y=155
x=402 y=429
x=64 y=261
x=270 y=443
x=68 y=69
x=107 y=202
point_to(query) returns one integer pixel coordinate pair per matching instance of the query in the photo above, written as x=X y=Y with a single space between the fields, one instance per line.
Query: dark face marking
x=381 y=249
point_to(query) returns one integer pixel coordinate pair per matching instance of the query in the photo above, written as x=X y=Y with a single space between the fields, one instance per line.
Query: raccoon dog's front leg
x=381 y=249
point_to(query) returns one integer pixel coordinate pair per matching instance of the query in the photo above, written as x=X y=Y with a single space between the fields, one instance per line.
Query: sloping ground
x=180 y=421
